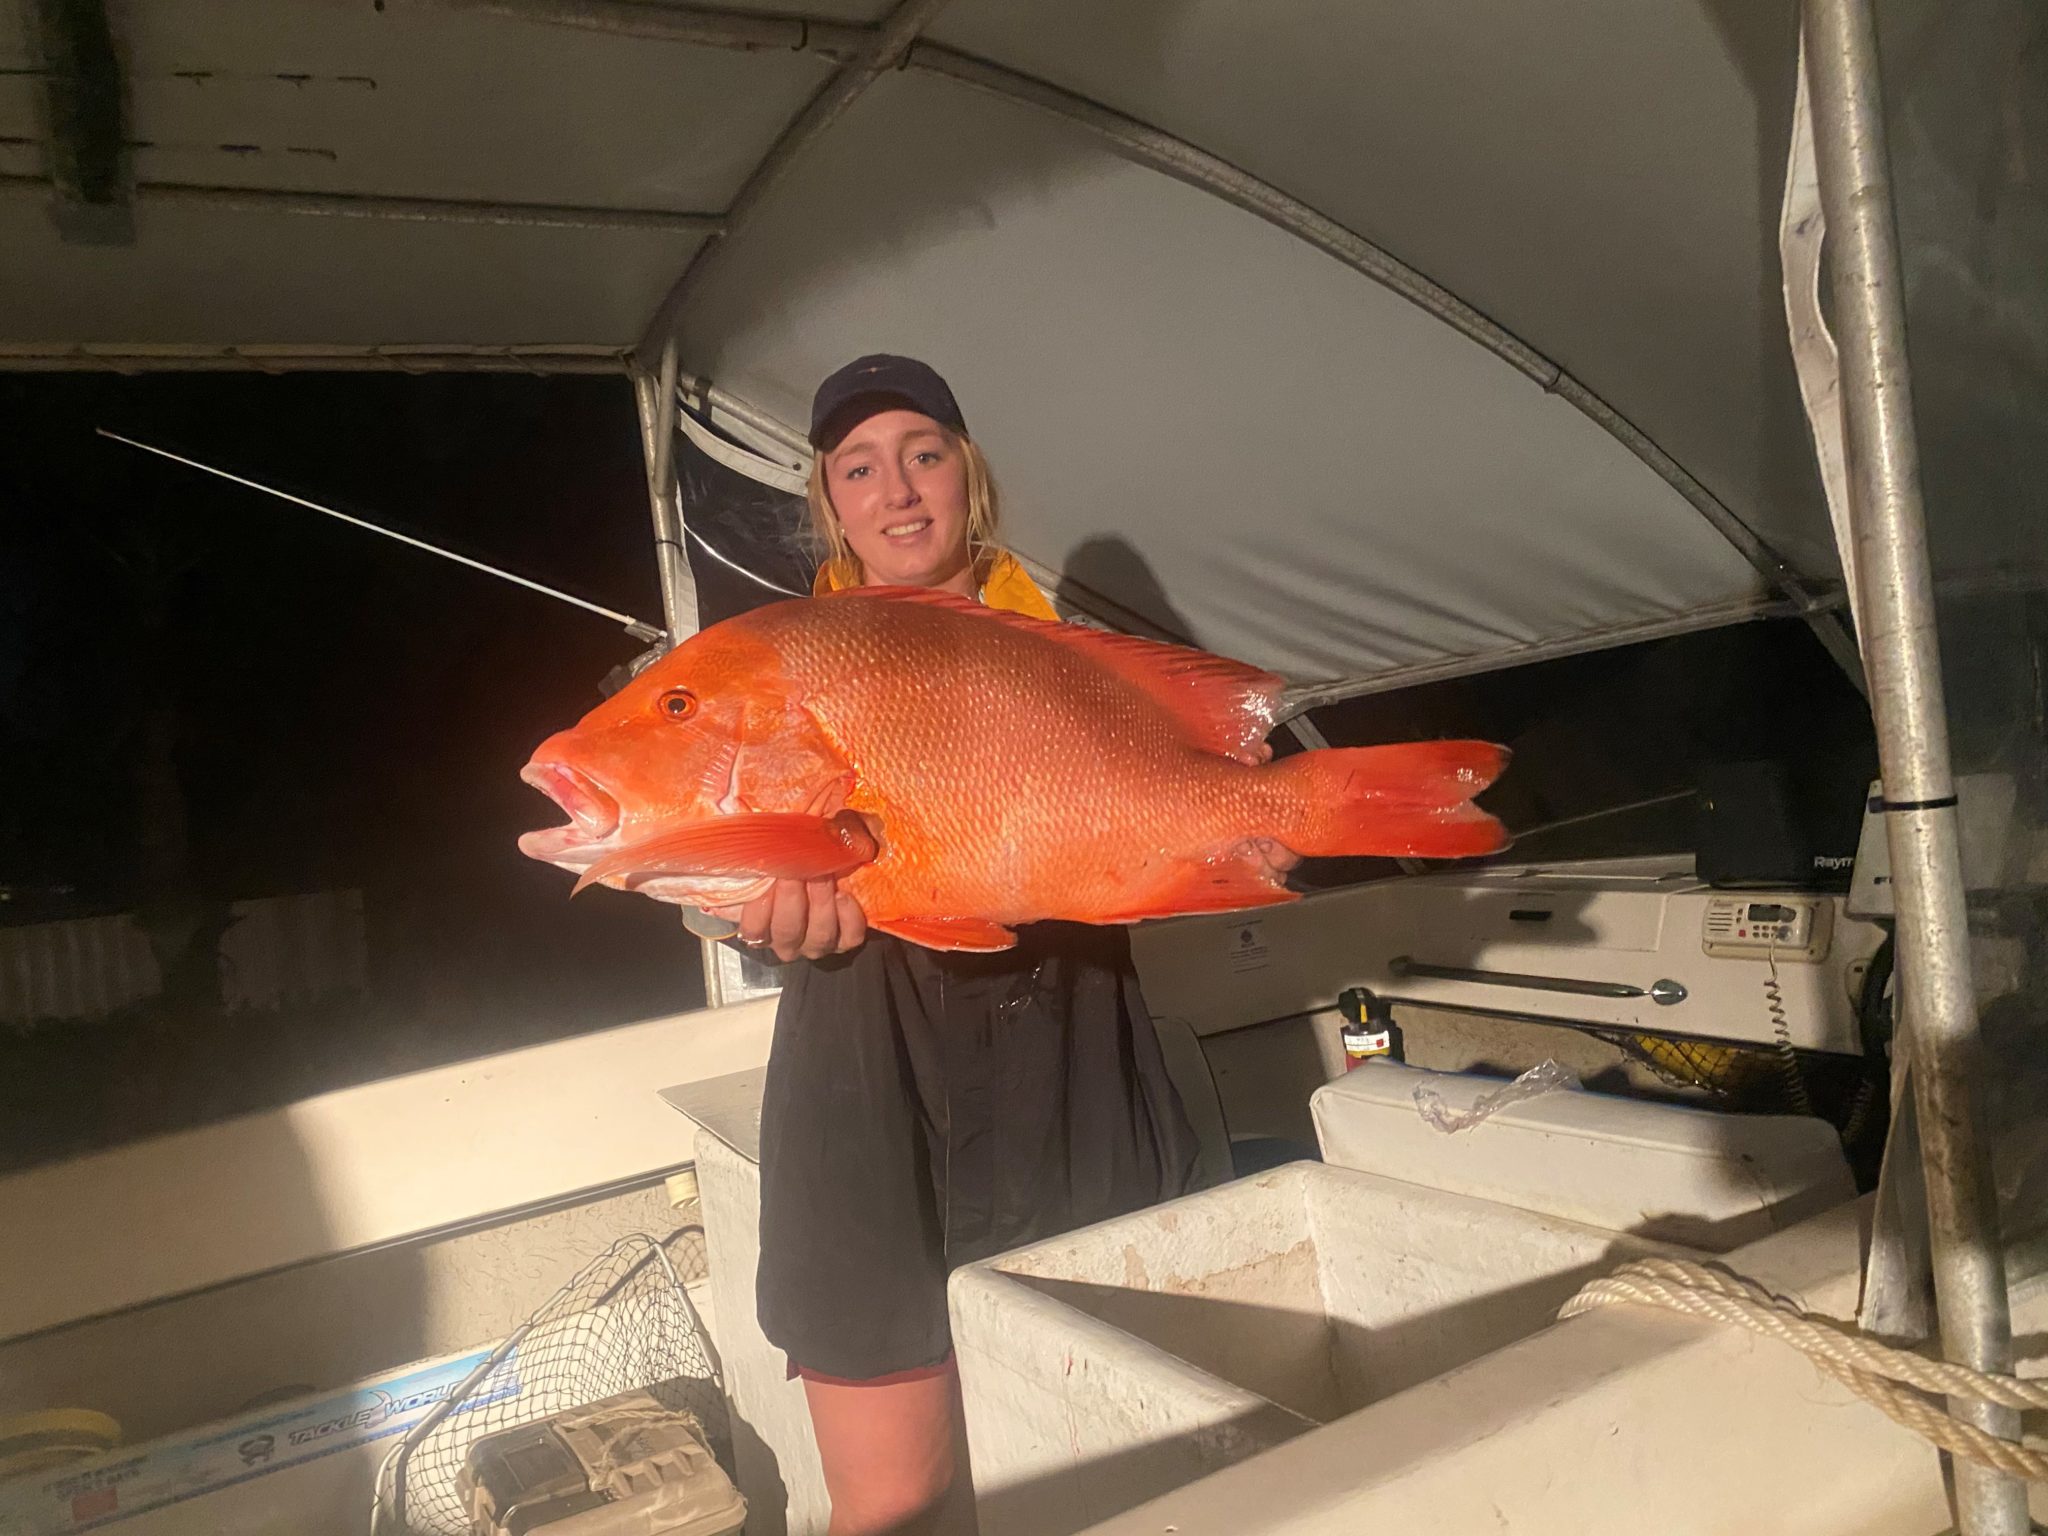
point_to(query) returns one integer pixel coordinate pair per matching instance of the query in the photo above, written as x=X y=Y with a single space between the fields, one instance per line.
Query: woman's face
x=898 y=483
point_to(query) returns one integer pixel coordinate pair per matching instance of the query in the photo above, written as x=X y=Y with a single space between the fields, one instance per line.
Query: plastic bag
x=1544 y=1077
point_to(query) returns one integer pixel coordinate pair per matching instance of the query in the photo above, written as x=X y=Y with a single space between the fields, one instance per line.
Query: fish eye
x=679 y=703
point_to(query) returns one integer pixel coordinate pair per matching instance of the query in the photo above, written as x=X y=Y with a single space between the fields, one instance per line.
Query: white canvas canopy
x=1368 y=342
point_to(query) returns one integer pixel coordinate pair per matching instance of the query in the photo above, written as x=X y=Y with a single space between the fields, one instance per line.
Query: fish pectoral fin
x=1229 y=885
x=777 y=845
x=967 y=933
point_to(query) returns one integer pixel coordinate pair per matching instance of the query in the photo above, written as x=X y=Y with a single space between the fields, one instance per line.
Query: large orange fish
x=963 y=769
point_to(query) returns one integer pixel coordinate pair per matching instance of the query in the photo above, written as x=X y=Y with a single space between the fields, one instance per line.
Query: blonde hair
x=843 y=566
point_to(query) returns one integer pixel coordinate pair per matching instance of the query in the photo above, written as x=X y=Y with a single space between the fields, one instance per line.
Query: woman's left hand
x=810 y=919
x=1281 y=861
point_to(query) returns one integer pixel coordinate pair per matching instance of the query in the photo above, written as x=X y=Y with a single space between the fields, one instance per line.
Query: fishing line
x=634 y=627
x=1612 y=810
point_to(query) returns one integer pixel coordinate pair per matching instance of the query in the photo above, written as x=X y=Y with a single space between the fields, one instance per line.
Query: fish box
x=1115 y=1363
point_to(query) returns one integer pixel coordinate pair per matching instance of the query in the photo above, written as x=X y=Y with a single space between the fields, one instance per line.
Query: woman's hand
x=1281 y=861
x=808 y=918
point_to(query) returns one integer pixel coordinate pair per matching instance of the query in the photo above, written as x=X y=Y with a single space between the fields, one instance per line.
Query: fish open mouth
x=593 y=823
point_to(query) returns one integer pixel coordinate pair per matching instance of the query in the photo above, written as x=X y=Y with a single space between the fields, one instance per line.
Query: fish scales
x=1036 y=741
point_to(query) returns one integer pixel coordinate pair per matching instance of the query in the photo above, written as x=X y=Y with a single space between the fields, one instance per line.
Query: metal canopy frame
x=882 y=48
x=419 y=210
x=178 y=357
x=1887 y=521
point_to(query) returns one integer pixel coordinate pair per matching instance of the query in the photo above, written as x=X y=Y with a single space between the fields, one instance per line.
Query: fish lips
x=594 y=815
x=593 y=831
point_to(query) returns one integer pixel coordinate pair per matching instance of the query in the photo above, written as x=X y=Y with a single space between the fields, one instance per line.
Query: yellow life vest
x=1008 y=586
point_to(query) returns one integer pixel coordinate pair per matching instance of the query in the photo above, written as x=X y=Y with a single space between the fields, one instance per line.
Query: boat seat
x=1678 y=1174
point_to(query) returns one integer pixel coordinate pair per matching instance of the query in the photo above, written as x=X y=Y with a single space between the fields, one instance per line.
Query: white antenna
x=633 y=626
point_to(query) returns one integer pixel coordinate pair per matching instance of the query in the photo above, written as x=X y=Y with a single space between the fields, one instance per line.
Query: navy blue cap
x=880 y=382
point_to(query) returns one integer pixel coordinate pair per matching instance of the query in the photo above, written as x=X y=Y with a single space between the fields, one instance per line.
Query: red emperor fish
x=962 y=770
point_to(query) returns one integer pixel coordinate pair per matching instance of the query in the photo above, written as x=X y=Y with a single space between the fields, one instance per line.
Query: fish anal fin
x=1221 y=706
x=1227 y=885
x=779 y=845
x=976 y=934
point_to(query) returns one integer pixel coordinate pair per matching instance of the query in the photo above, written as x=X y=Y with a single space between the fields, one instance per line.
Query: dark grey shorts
x=926 y=1110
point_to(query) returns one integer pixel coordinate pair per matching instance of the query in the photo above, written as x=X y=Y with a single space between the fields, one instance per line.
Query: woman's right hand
x=809 y=918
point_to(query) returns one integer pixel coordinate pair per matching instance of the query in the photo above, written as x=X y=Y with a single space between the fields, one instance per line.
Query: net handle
x=417 y=1436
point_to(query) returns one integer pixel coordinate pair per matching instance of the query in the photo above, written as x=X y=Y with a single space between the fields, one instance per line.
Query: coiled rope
x=1868 y=1368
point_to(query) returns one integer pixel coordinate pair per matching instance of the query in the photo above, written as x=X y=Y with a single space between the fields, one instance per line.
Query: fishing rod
x=637 y=628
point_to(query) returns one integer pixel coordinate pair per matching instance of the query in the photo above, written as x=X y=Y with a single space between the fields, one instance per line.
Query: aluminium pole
x=1902 y=659
x=655 y=394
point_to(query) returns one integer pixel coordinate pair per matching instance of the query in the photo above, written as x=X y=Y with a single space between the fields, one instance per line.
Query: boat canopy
x=1367 y=342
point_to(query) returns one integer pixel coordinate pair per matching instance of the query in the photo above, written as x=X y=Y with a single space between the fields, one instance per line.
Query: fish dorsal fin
x=1223 y=706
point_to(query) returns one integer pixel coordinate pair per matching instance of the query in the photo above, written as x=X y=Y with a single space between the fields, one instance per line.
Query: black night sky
x=209 y=695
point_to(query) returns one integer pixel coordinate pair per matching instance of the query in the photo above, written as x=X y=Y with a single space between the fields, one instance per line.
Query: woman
x=926 y=1110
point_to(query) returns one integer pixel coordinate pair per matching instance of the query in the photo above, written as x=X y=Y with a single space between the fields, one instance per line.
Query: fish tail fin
x=1408 y=801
